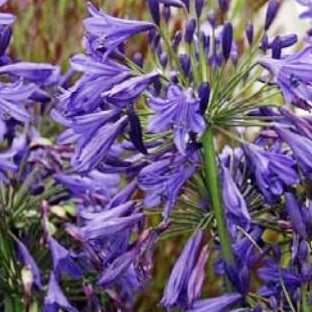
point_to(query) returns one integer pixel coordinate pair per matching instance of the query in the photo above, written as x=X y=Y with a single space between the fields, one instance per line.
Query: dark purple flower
x=227 y=40
x=224 y=5
x=292 y=75
x=62 y=260
x=29 y=262
x=185 y=63
x=175 y=293
x=250 y=32
x=154 y=9
x=217 y=304
x=111 y=31
x=272 y=275
x=5 y=37
x=234 y=202
x=93 y=147
x=55 y=299
x=180 y=111
x=176 y=40
x=271 y=13
x=273 y=171
x=162 y=184
x=117 y=268
x=297 y=215
x=197 y=277
x=189 y=30
x=301 y=147
x=204 y=95
x=128 y=91
x=199 y=4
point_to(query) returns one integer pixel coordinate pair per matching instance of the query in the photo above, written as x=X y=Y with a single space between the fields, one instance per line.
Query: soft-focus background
x=51 y=31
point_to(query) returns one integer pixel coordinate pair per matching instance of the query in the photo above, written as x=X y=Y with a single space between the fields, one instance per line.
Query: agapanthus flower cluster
x=157 y=146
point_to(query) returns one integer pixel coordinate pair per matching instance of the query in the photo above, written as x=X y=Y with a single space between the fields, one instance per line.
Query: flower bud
x=276 y=47
x=163 y=59
x=185 y=63
x=189 y=30
x=154 y=9
x=176 y=40
x=227 y=39
x=138 y=59
x=204 y=95
x=224 y=5
x=199 y=4
x=249 y=32
x=271 y=13
x=166 y=13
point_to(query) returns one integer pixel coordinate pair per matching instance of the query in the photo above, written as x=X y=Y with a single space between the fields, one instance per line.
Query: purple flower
x=224 y=5
x=109 y=31
x=301 y=147
x=117 y=267
x=94 y=145
x=272 y=274
x=99 y=76
x=110 y=226
x=250 y=32
x=175 y=294
x=34 y=72
x=298 y=215
x=234 y=202
x=129 y=90
x=273 y=171
x=217 y=304
x=55 y=298
x=197 y=277
x=227 y=40
x=11 y=96
x=293 y=75
x=271 y=13
x=62 y=260
x=179 y=110
x=29 y=262
x=161 y=184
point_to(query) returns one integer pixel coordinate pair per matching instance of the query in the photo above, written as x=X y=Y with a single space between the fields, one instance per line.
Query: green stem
x=213 y=185
x=304 y=298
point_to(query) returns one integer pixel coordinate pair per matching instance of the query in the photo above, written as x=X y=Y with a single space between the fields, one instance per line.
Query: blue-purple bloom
x=11 y=98
x=163 y=185
x=217 y=304
x=94 y=145
x=63 y=264
x=39 y=73
x=301 y=147
x=197 y=277
x=273 y=171
x=180 y=111
x=109 y=32
x=299 y=215
x=175 y=294
x=234 y=202
x=293 y=75
x=129 y=90
x=55 y=299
